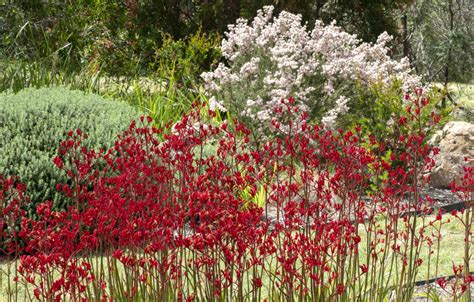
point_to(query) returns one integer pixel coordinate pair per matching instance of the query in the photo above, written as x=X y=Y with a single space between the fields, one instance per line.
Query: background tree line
x=435 y=34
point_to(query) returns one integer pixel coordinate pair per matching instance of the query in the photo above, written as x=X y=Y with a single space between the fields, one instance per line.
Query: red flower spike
x=151 y=200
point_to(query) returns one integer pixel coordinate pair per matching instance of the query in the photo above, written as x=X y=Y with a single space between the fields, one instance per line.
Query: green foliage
x=161 y=96
x=376 y=110
x=120 y=37
x=366 y=18
x=460 y=96
x=441 y=38
x=186 y=59
x=165 y=102
x=50 y=30
x=34 y=121
x=17 y=75
x=377 y=107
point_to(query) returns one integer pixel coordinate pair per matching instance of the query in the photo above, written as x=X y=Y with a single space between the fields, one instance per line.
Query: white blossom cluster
x=272 y=58
x=341 y=107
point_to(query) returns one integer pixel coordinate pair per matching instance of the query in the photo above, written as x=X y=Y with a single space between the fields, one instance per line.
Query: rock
x=456 y=142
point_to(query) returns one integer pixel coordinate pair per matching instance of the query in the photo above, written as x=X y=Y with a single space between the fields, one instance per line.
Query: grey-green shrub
x=34 y=121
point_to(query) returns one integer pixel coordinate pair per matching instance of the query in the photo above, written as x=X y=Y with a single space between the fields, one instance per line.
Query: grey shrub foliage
x=34 y=121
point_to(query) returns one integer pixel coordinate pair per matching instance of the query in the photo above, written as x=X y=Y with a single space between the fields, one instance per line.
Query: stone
x=455 y=143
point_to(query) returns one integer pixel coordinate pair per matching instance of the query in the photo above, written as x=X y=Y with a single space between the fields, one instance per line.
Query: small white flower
x=215 y=104
x=250 y=68
x=275 y=57
x=341 y=108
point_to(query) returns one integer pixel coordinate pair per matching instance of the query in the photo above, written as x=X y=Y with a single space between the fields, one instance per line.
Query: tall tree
x=442 y=31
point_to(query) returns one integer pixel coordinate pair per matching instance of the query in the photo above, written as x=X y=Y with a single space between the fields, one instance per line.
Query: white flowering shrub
x=272 y=58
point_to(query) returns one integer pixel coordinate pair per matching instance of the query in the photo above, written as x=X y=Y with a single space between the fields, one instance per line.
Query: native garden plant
x=34 y=121
x=235 y=151
x=276 y=57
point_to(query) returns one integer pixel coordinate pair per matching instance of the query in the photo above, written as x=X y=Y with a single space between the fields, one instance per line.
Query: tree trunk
x=448 y=56
x=406 y=42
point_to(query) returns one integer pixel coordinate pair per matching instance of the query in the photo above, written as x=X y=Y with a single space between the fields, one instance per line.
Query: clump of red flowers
x=158 y=219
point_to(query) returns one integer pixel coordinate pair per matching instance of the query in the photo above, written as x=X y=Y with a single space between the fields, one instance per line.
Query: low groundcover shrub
x=155 y=220
x=33 y=122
